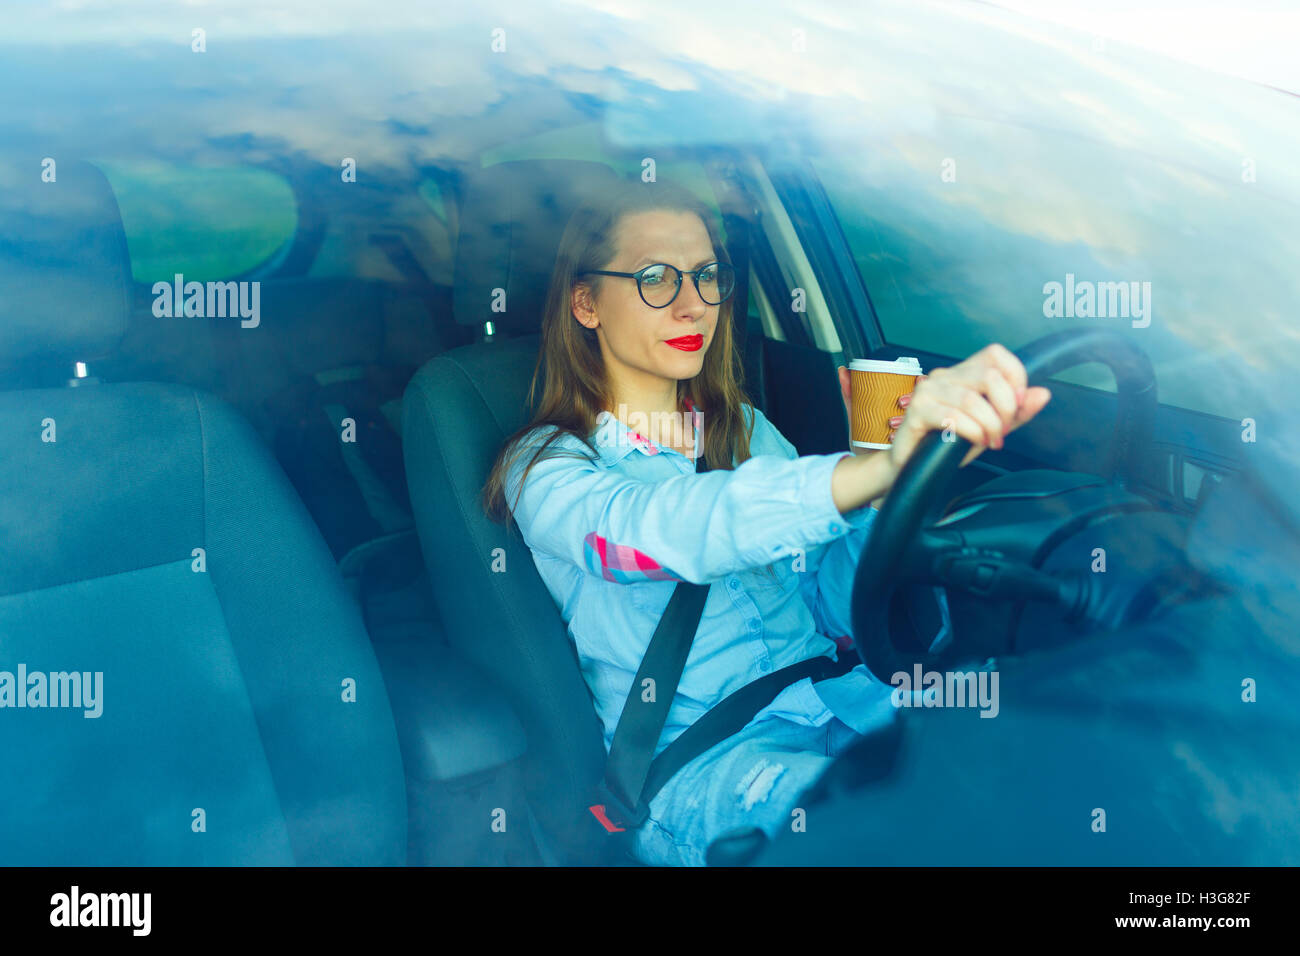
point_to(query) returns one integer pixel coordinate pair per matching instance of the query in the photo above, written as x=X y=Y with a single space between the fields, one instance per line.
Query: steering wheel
x=897 y=555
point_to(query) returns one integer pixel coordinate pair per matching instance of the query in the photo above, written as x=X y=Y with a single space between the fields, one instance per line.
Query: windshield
x=1072 y=185
x=996 y=178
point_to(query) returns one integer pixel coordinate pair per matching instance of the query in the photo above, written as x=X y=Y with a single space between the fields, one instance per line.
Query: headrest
x=512 y=217
x=65 y=273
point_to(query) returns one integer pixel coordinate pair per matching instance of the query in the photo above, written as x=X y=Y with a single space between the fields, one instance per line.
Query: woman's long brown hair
x=575 y=388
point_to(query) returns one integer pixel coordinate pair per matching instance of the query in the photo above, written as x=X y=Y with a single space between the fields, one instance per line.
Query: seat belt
x=633 y=775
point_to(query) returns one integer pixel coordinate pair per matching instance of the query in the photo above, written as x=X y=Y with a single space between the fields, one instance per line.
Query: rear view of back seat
x=322 y=352
x=326 y=369
x=149 y=541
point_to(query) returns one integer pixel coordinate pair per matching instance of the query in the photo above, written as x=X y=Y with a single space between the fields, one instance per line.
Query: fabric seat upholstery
x=226 y=734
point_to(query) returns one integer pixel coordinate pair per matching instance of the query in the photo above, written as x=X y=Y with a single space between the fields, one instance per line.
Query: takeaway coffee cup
x=874 y=390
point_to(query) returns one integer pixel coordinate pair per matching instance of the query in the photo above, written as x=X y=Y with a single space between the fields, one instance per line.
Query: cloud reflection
x=1112 y=164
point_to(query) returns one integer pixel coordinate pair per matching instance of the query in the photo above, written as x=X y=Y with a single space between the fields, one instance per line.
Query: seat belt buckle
x=613 y=814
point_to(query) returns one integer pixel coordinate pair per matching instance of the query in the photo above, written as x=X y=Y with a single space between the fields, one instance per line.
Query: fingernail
x=1020 y=395
x=904 y=400
x=896 y=420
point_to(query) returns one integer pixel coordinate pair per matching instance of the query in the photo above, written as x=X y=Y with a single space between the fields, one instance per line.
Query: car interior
x=312 y=659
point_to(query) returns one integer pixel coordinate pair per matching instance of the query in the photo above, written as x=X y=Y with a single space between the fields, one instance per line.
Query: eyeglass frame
x=694 y=274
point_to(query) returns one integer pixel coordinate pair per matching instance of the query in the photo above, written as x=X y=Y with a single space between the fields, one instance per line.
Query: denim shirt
x=612 y=536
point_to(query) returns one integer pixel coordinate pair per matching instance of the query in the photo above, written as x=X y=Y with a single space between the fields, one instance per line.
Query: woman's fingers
x=982 y=400
x=1003 y=360
x=962 y=401
x=905 y=400
x=934 y=414
x=995 y=375
x=1013 y=374
x=1002 y=397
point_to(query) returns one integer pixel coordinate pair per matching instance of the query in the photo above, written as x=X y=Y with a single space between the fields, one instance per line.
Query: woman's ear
x=584 y=310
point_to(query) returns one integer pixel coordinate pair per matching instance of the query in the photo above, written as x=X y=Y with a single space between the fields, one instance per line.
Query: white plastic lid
x=905 y=365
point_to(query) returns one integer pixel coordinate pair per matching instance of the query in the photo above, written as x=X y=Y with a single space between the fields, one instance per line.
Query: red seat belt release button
x=598 y=811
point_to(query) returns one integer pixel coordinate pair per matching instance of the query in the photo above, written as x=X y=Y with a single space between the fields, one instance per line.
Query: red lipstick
x=687 y=343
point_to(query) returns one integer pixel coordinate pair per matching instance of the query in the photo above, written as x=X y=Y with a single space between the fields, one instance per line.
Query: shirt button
x=835 y=529
x=754 y=625
x=765 y=665
x=733 y=584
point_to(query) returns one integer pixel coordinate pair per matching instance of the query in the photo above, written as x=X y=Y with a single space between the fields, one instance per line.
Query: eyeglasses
x=659 y=283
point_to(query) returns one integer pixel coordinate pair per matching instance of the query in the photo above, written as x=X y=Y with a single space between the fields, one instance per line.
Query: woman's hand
x=982 y=399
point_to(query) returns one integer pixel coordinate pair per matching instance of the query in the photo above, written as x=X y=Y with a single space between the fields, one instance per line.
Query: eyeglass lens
x=659 y=283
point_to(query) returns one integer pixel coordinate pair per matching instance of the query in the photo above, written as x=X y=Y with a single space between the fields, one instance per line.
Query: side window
x=805 y=308
x=761 y=316
x=206 y=223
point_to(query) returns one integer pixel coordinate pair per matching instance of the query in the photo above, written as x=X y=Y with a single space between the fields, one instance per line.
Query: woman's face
x=634 y=336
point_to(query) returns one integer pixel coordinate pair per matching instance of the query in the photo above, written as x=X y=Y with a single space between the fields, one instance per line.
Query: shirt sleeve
x=693 y=528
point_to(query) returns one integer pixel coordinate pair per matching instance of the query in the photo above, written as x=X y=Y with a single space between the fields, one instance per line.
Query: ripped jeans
x=753 y=778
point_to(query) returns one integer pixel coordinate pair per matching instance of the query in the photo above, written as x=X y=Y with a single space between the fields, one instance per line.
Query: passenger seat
x=148 y=539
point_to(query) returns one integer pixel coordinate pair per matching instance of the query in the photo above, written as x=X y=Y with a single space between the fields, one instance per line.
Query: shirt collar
x=616 y=441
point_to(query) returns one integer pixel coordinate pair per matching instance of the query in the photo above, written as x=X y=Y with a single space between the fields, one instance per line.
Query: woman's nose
x=688 y=297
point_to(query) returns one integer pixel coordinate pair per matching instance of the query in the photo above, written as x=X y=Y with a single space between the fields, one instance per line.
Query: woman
x=640 y=373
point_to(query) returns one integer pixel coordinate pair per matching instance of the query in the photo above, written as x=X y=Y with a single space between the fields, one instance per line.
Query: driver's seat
x=456 y=414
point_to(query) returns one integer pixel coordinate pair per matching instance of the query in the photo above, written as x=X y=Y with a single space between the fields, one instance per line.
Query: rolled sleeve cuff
x=860 y=518
x=824 y=510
